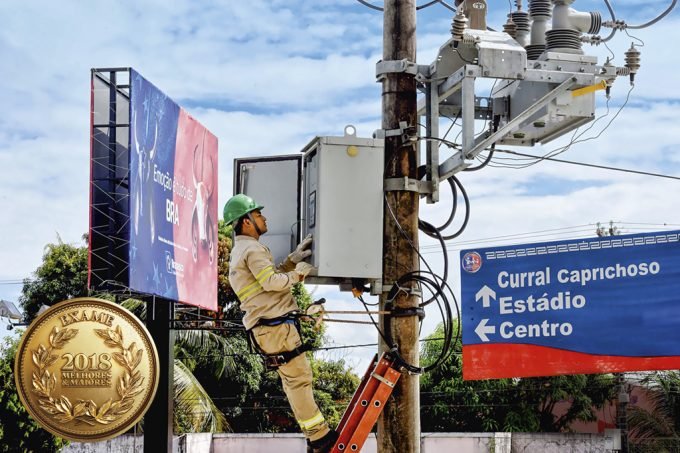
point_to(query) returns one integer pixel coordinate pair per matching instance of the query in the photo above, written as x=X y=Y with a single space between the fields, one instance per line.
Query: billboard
x=173 y=200
x=585 y=306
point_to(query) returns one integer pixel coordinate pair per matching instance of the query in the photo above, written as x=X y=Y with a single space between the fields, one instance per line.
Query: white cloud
x=268 y=76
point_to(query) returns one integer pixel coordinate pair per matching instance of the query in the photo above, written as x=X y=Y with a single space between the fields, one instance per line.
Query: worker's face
x=260 y=221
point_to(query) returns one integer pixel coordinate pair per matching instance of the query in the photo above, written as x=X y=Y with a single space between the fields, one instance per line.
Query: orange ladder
x=367 y=404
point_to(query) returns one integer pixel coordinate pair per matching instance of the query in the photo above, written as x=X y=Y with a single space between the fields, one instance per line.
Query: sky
x=267 y=76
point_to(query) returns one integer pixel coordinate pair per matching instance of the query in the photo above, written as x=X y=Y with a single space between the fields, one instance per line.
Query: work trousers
x=296 y=377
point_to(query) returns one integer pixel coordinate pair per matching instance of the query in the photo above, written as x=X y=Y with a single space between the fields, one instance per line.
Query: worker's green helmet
x=238 y=206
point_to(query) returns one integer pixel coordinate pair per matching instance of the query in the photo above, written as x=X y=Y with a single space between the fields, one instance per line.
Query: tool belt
x=274 y=361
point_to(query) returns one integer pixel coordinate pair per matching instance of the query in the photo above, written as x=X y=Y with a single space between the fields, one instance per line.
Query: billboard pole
x=158 y=421
x=399 y=424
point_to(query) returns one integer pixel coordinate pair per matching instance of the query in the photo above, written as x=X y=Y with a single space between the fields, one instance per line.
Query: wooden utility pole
x=399 y=424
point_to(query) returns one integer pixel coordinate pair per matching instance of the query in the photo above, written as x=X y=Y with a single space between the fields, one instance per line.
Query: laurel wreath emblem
x=60 y=407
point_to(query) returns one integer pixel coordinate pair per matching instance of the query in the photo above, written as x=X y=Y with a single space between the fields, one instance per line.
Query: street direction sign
x=583 y=306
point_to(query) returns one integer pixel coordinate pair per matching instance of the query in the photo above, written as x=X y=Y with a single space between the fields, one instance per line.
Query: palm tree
x=658 y=429
x=194 y=410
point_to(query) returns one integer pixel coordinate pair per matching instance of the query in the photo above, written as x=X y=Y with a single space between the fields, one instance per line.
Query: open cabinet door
x=275 y=183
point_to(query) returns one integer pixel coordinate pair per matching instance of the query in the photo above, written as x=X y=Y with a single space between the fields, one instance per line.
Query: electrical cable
x=655 y=20
x=431 y=231
x=467 y=212
x=452 y=124
x=584 y=164
x=427 y=5
x=438 y=287
x=445 y=307
x=641 y=42
x=382 y=335
x=365 y=3
x=485 y=162
x=525 y=236
x=611 y=12
x=446 y=5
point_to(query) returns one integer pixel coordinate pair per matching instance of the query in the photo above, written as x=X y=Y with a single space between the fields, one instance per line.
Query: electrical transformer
x=332 y=190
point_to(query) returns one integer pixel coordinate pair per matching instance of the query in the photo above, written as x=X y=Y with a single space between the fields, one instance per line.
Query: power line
x=584 y=164
x=518 y=235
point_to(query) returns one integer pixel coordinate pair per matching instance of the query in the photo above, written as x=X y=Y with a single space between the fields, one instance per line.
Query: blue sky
x=266 y=77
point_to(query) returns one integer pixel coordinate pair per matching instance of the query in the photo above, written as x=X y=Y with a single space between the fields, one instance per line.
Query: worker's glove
x=303 y=269
x=301 y=251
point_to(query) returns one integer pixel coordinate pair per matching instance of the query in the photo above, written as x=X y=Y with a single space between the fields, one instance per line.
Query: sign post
x=569 y=307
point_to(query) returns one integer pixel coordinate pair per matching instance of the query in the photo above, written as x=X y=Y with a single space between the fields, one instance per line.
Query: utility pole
x=399 y=424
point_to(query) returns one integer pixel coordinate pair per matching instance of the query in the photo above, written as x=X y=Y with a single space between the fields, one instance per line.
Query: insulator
x=458 y=26
x=563 y=39
x=521 y=19
x=540 y=8
x=468 y=39
x=622 y=71
x=595 y=22
x=534 y=51
x=510 y=27
x=632 y=59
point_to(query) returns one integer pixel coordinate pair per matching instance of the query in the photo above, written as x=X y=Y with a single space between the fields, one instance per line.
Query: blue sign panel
x=587 y=306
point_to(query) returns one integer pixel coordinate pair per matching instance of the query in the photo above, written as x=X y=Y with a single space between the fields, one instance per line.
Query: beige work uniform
x=264 y=292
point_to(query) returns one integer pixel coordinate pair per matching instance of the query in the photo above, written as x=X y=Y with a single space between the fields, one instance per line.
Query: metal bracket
x=473 y=147
x=383 y=380
x=407 y=184
x=394 y=67
x=409 y=134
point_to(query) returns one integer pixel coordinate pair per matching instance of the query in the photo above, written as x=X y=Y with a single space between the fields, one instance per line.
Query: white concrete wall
x=430 y=443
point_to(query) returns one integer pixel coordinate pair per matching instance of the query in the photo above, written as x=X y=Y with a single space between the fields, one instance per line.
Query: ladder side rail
x=357 y=410
x=375 y=408
x=357 y=393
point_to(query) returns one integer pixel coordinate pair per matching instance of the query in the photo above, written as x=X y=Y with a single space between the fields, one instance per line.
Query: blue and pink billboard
x=584 y=306
x=173 y=200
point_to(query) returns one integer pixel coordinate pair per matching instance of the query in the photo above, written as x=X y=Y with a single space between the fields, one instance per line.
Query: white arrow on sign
x=486 y=294
x=482 y=329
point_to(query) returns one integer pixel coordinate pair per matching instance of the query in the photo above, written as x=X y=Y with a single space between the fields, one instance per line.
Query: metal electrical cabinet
x=275 y=182
x=343 y=207
x=334 y=191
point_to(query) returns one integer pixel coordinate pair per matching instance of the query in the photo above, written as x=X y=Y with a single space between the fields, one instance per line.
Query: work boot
x=323 y=445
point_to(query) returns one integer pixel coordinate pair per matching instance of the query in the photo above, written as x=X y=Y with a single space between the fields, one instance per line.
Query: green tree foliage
x=334 y=385
x=226 y=299
x=18 y=431
x=448 y=403
x=62 y=275
x=659 y=427
x=194 y=409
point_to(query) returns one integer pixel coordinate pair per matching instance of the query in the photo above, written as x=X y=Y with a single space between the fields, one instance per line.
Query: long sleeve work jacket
x=262 y=287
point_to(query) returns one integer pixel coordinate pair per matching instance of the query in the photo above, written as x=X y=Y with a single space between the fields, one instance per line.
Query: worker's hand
x=301 y=251
x=303 y=269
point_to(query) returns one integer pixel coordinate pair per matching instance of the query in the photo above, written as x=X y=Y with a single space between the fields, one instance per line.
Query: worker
x=264 y=291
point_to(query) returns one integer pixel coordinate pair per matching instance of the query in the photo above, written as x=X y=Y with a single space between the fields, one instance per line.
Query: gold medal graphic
x=86 y=369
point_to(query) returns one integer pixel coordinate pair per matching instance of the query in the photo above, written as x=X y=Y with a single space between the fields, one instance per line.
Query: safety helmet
x=238 y=206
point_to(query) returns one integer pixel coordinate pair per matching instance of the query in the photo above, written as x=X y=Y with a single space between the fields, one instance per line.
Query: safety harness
x=274 y=361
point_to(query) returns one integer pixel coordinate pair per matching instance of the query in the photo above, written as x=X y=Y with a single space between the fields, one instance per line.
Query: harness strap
x=274 y=361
